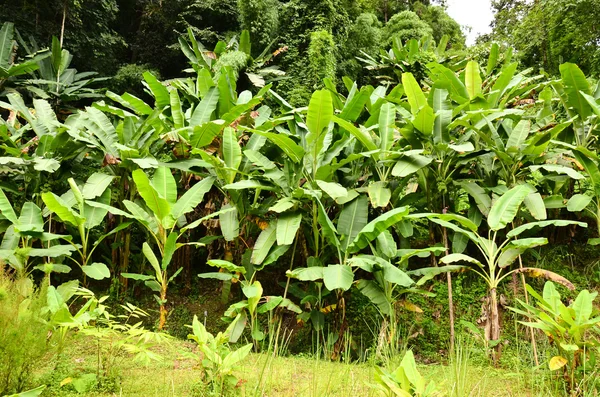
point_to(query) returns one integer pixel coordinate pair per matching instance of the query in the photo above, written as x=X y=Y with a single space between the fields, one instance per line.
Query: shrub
x=405 y=25
x=23 y=333
x=129 y=79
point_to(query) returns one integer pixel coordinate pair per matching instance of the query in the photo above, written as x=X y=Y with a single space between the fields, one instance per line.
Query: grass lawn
x=281 y=376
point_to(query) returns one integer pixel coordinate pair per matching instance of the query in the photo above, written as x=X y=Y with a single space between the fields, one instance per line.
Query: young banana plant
x=163 y=216
x=76 y=208
x=498 y=252
x=247 y=311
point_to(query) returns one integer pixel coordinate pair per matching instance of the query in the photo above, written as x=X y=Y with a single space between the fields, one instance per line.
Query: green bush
x=129 y=79
x=23 y=333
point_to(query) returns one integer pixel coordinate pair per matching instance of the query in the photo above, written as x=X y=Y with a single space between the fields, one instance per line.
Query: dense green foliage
x=547 y=33
x=341 y=177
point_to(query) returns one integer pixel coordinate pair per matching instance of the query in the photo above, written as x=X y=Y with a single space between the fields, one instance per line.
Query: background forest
x=336 y=181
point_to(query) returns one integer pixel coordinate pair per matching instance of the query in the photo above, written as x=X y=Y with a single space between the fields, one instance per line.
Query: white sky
x=476 y=14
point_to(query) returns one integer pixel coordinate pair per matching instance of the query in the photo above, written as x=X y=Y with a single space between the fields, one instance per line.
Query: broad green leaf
x=354 y=107
x=52 y=252
x=410 y=370
x=452 y=258
x=283 y=205
x=386 y=244
x=353 y=218
x=253 y=292
x=493 y=58
x=230 y=223
x=373 y=291
x=396 y=276
x=6 y=208
x=192 y=197
x=136 y=276
x=149 y=254
x=235 y=357
x=518 y=230
x=232 y=153
x=408 y=165
x=415 y=96
x=164 y=183
x=218 y=276
x=159 y=205
x=320 y=111
x=287 y=227
x=376 y=227
x=38 y=390
x=482 y=199
x=583 y=307
x=96 y=185
x=387 y=125
x=338 y=277
x=263 y=243
x=333 y=189
x=516 y=248
x=245 y=45
x=559 y=169
x=379 y=194
x=221 y=264
x=159 y=91
x=203 y=112
x=248 y=184
x=97 y=271
x=306 y=273
x=204 y=134
x=169 y=249
x=30 y=219
x=506 y=207
x=226 y=92
x=574 y=82
x=535 y=204
x=58 y=206
x=362 y=136
x=95 y=215
x=6 y=45
x=592 y=169
x=578 y=202
x=472 y=79
x=519 y=134
x=176 y=112
x=425 y=120
x=286 y=144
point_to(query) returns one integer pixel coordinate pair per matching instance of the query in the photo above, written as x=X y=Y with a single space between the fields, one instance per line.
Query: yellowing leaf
x=410 y=307
x=66 y=381
x=557 y=362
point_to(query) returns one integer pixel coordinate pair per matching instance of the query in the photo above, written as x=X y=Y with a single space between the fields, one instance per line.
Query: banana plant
x=163 y=217
x=578 y=99
x=9 y=69
x=55 y=82
x=24 y=239
x=247 y=311
x=499 y=249
x=390 y=284
x=569 y=330
x=34 y=144
x=353 y=233
x=81 y=208
x=588 y=203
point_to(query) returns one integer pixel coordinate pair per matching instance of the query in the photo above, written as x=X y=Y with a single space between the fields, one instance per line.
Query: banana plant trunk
x=163 y=310
x=494 y=324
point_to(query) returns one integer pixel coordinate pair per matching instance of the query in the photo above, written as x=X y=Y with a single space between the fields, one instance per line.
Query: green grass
x=282 y=376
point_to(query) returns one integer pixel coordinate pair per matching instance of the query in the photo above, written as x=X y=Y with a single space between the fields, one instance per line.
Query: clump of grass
x=23 y=333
